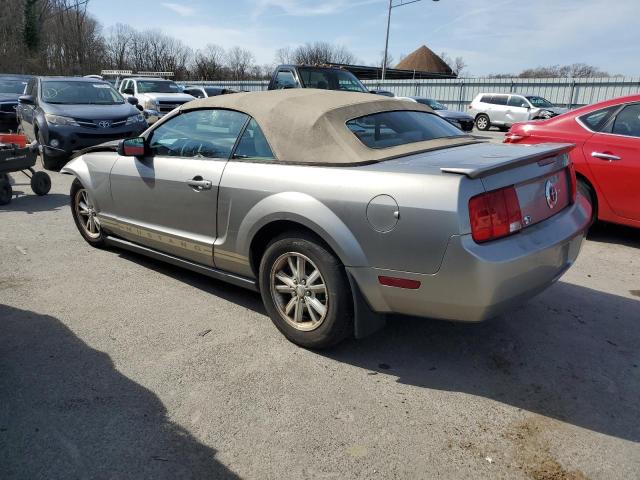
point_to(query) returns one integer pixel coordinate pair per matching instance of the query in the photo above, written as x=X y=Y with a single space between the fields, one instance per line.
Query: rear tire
x=40 y=183
x=84 y=215
x=482 y=122
x=313 y=308
x=587 y=192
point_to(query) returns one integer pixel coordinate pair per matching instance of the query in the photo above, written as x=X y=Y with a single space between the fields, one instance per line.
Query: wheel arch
x=596 y=201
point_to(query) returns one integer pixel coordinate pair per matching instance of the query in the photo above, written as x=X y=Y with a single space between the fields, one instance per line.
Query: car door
x=517 y=109
x=498 y=109
x=167 y=200
x=613 y=155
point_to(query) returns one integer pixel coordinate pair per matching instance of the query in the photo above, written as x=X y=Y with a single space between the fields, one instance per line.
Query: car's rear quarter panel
x=334 y=206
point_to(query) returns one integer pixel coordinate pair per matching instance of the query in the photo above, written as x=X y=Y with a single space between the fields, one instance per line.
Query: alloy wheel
x=86 y=214
x=299 y=291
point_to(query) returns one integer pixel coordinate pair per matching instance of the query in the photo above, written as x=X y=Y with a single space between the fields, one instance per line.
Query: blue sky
x=493 y=36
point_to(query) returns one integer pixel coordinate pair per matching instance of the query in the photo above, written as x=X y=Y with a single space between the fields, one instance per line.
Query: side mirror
x=27 y=99
x=139 y=107
x=128 y=91
x=132 y=100
x=132 y=147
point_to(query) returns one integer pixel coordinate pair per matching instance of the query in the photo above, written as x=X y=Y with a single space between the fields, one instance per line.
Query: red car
x=606 y=155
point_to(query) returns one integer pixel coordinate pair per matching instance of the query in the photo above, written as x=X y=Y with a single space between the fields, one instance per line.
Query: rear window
x=390 y=129
x=598 y=119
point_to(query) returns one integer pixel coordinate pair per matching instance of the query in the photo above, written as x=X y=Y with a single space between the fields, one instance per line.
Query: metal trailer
x=18 y=157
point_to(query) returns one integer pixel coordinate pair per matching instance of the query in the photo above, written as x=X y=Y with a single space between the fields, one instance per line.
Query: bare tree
x=209 y=63
x=117 y=45
x=457 y=65
x=575 y=70
x=322 y=52
x=239 y=62
x=284 y=55
x=390 y=60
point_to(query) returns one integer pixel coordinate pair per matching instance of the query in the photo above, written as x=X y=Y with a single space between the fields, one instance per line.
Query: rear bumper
x=476 y=282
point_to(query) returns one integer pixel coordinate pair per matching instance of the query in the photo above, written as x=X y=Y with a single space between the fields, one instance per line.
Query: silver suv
x=503 y=110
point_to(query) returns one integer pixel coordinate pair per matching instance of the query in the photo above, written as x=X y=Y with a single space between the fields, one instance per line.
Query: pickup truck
x=309 y=76
x=156 y=95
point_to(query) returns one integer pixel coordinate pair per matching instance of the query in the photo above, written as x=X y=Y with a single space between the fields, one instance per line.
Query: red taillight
x=495 y=214
x=399 y=282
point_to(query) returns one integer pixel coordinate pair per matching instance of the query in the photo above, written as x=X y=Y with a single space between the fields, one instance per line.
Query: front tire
x=482 y=122
x=85 y=215
x=49 y=162
x=305 y=291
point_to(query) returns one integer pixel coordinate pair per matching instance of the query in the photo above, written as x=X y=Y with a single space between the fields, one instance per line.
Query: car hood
x=93 y=112
x=9 y=97
x=452 y=114
x=169 y=97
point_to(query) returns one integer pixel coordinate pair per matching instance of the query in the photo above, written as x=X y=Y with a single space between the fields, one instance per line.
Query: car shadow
x=66 y=412
x=26 y=201
x=613 y=233
x=226 y=291
x=571 y=354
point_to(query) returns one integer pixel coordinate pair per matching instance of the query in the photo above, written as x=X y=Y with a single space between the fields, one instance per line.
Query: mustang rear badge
x=551 y=193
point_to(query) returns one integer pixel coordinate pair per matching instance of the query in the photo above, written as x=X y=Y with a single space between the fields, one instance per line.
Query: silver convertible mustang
x=338 y=207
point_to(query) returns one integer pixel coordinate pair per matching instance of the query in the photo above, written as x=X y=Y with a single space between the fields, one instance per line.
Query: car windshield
x=389 y=129
x=432 y=103
x=11 y=85
x=80 y=93
x=331 y=79
x=540 y=102
x=157 y=86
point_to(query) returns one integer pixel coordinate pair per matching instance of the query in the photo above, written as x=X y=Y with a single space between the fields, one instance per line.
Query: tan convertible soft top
x=308 y=125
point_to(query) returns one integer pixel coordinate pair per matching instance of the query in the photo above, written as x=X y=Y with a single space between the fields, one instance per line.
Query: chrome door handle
x=199 y=184
x=605 y=156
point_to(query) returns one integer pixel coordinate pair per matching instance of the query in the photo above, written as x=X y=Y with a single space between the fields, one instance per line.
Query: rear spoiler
x=489 y=165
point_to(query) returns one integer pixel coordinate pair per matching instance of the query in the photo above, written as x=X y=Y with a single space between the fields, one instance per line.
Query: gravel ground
x=114 y=366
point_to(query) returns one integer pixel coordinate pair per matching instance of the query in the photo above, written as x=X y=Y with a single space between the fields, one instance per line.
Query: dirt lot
x=113 y=366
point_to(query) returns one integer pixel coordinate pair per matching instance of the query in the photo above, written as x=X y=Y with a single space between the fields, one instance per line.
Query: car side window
x=253 y=144
x=517 y=101
x=485 y=99
x=284 y=79
x=499 y=99
x=124 y=85
x=627 y=122
x=207 y=133
x=595 y=121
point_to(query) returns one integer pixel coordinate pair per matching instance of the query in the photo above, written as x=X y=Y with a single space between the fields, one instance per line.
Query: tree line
x=60 y=37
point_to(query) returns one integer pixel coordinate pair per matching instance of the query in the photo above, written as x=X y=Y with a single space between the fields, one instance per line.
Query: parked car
x=461 y=120
x=11 y=87
x=338 y=207
x=320 y=77
x=606 y=155
x=385 y=93
x=205 y=91
x=156 y=95
x=503 y=110
x=65 y=114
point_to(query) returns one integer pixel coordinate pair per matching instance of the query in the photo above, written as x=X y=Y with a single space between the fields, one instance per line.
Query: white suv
x=503 y=110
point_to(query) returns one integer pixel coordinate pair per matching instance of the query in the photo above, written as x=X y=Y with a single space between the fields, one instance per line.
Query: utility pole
x=386 y=43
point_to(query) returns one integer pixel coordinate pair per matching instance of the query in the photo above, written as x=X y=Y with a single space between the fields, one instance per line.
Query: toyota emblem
x=104 y=124
x=551 y=193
